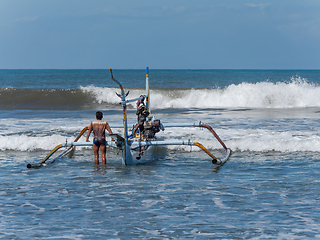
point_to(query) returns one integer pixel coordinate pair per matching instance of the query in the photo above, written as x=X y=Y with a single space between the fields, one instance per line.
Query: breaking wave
x=295 y=94
x=298 y=93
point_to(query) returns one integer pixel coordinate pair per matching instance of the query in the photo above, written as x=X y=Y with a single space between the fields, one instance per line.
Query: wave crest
x=297 y=93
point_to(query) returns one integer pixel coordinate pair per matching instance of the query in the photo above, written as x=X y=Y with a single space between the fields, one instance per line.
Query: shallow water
x=254 y=195
x=269 y=188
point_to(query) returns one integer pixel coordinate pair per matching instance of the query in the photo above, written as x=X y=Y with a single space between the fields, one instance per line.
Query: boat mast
x=125 y=125
x=147 y=91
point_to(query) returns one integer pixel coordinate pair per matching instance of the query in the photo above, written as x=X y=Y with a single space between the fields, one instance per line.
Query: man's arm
x=108 y=128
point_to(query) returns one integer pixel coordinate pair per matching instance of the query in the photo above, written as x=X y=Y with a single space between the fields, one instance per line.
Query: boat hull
x=145 y=155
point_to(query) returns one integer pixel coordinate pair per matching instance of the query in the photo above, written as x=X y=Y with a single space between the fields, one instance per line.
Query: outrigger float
x=138 y=147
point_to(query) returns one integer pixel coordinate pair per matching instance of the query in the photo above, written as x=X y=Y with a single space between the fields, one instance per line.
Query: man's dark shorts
x=99 y=142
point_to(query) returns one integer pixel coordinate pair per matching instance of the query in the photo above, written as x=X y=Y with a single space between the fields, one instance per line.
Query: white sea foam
x=294 y=94
x=242 y=139
x=27 y=143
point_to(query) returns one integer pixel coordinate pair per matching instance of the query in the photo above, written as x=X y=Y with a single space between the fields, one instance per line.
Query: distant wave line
x=295 y=94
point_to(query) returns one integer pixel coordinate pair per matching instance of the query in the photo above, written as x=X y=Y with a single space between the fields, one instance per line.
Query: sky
x=165 y=34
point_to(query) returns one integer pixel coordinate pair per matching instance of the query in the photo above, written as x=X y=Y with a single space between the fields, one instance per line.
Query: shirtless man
x=99 y=141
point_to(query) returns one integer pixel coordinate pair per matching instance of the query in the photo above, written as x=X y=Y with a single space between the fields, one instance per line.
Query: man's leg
x=135 y=129
x=103 y=154
x=96 y=154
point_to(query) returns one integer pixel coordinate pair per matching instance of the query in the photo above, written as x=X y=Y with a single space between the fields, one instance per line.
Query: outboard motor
x=151 y=128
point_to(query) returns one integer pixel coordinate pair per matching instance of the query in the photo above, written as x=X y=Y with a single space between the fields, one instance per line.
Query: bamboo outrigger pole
x=56 y=149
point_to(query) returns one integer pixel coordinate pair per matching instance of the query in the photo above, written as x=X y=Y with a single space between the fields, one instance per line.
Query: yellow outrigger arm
x=215 y=160
x=56 y=149
x=204 y=149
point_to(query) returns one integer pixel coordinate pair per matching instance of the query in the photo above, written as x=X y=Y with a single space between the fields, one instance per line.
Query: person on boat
x=99 y=141
x=142 y=113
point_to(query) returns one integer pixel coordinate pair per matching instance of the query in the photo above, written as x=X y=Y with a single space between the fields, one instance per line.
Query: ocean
x=268 y=189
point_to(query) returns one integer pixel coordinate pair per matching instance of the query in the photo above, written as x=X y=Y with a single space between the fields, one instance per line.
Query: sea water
x=268 y=189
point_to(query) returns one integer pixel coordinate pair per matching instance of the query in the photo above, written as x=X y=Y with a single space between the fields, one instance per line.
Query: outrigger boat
x=138 y=147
